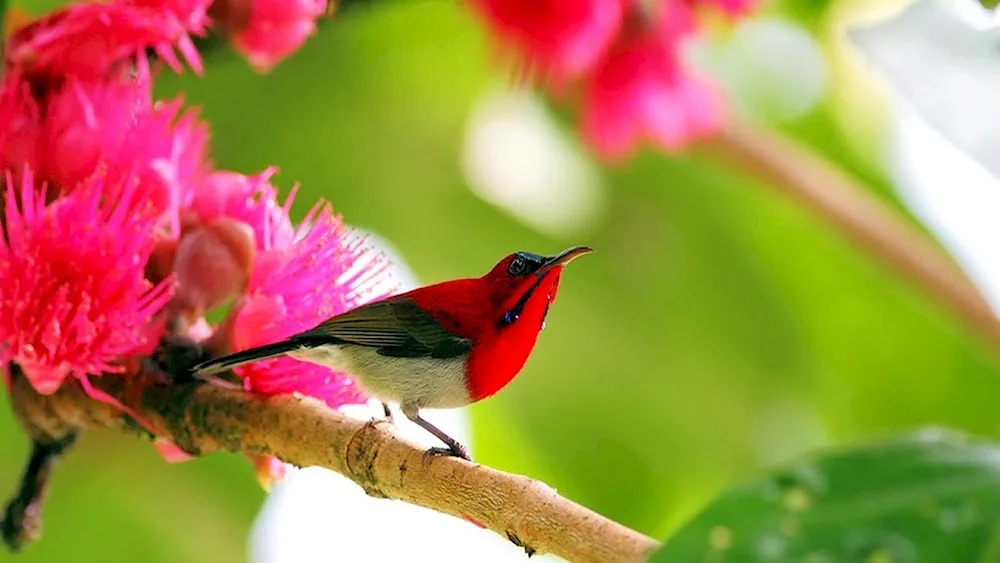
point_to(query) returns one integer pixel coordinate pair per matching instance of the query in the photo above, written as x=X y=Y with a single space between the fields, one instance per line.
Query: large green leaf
x=931 y=495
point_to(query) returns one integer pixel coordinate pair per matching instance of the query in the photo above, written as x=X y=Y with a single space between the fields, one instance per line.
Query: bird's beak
x=563 y=258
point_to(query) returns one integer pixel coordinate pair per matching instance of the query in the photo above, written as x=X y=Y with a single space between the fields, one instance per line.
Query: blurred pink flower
x=87 y=40
x=326 y=271
x=642 y=89
x=267 y=31
x=116 y=122
x=73 y=299
x=191 y=14
x=21 y=125
x=628 y=55
x=732 y=8
x=200 y=330
x=268 y=470
x=250 y=199
x=171 y=452
x=555 y=39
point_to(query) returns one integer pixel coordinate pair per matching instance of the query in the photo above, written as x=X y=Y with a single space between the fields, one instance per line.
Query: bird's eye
x=517 y=266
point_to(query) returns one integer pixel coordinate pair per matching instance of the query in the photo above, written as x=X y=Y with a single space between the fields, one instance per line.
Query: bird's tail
x=225 y=363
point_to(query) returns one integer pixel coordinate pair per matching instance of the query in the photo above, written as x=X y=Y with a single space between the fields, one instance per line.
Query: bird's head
x=525 y=281
x=519 y=290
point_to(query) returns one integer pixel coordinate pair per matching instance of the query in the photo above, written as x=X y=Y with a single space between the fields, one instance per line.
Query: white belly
x=416 y=382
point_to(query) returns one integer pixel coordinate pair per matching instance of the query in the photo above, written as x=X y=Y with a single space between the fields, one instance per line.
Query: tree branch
x=203 y=418
x=860 y=216
x=22 y=519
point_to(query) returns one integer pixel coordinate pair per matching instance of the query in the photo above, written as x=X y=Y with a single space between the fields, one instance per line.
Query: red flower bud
x=268 y=470
x=266 y=31
x=213 y=263
x=161 y=261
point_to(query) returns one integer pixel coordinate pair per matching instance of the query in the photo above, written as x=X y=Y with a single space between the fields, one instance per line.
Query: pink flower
x=116 y=122
x=21 y=119
x=732 y=8
x=88 y=40
x=200 y=330
x=642 y=89
x=559 y=39
x=73 y=299
x=267 y=31
x=250 y=199
x=326 y=271
x=268 y=469
x=171 y=452
x=191 y=14
x=229 y=219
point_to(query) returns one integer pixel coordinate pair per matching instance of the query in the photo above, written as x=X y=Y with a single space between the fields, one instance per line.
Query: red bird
x=441 y=346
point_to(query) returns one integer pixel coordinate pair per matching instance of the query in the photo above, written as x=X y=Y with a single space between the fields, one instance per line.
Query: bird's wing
x=395 y=326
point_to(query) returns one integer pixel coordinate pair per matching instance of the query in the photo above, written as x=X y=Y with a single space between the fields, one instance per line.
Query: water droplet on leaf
x=720 y=538
x=880 y=547
x=790 y=526
x=956 y=517
x=817 y=557
x=797 y=499
x=797 y=488
x=880 y=556
x=770 y=547
x=936 y=434
x=928 y=508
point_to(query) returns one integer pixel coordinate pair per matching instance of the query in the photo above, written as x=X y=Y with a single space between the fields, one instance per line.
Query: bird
x=440 y=346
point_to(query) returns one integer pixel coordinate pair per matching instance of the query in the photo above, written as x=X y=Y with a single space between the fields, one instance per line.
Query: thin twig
x=202 y=418
x=859 y=215
x=22 y=519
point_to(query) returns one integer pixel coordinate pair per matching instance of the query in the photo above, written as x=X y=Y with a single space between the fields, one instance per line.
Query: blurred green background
x=718 y=328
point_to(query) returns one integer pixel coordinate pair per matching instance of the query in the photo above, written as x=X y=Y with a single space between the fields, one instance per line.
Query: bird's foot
x=456 y=450
x=387 y=415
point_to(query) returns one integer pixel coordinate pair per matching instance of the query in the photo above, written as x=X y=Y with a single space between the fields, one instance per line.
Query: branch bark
x=202 y=418
x=831 y=194
x=22 y=520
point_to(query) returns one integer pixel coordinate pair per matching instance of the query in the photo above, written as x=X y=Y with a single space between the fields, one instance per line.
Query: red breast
x=480 y=309
x=501 y=313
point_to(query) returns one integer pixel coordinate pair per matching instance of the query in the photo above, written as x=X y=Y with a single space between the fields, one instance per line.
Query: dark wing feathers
x=395 y=326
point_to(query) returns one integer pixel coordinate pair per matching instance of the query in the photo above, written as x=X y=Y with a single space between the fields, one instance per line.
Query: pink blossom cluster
x=83 y=38
x=626 y=56
x=118 y=230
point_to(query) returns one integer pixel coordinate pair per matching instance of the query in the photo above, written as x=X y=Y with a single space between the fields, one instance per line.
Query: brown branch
x=22 y=520
x=860 y=216
x=203 y=418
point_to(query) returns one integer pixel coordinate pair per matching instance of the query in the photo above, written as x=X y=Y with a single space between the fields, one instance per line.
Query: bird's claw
x=457 y=450
x=454 y=449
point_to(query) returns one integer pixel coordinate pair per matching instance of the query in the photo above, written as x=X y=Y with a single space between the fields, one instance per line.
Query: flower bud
x=44 y=377
x=268 y=469
x=213 y=263
x=266 y=31
x=171 y=452
x=161 y=261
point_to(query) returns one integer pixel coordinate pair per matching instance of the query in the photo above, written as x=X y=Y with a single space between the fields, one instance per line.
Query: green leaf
x=930 y=495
